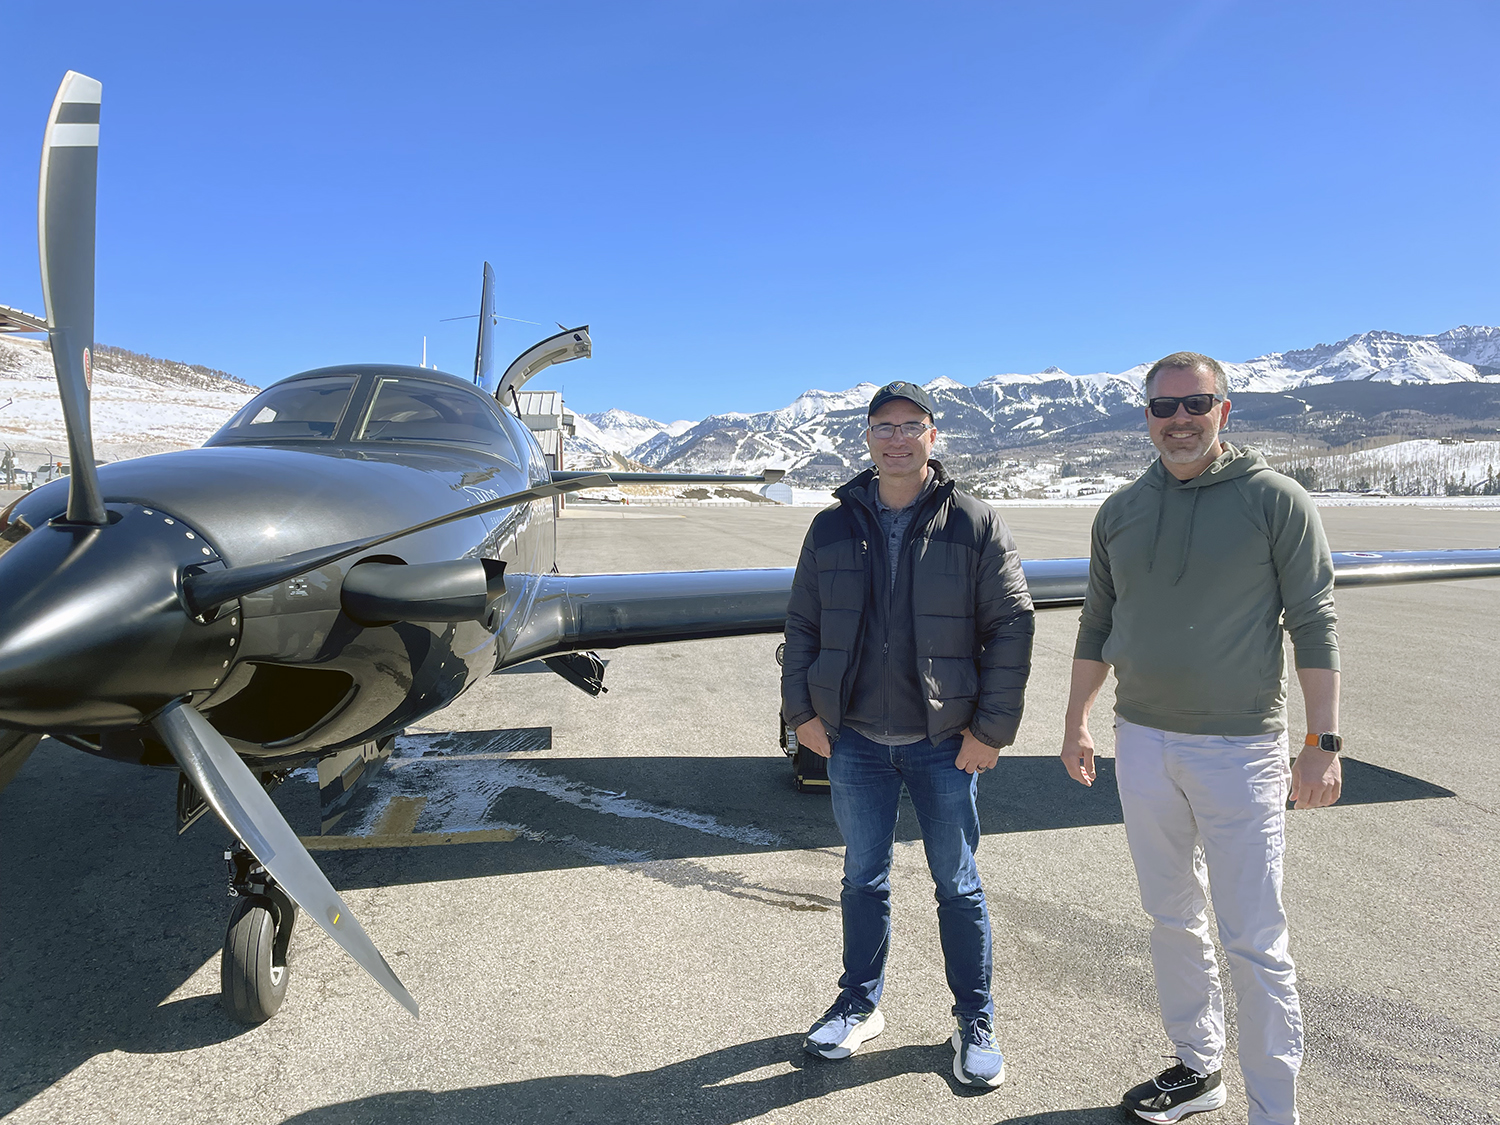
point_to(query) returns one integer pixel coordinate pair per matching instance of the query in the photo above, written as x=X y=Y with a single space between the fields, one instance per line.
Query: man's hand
x=974 y=756
x=1078 y=745
x=1078 y=755
x=1317 y=778
x=814 y=736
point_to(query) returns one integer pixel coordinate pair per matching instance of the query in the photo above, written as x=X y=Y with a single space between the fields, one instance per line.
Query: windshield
x=302 y=408
x=418 y=410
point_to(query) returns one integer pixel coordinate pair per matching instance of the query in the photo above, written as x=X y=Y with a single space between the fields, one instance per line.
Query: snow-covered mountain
x=820 y=433
x=144 y=405
x=1459 y=355
x=140 y=405
x=619 y=431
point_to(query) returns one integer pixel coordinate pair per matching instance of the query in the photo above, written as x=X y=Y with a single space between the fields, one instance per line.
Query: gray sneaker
x=976 y=1059
x=841 y=1029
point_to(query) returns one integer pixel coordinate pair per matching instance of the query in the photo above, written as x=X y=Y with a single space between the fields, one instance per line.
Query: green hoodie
x=1188 y=584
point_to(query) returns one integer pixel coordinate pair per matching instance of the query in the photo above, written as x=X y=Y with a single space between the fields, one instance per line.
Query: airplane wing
x=575 y=613
x=1058 y=583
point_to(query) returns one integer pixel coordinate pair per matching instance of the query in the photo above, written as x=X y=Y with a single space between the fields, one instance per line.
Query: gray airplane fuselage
x=283 y=673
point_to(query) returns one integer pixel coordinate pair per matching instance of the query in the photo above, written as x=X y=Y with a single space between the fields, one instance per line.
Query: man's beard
x=1186 y=455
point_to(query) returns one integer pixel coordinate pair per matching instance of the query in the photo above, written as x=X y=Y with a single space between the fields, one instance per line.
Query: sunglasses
x=1166 y=406
x=884 y=431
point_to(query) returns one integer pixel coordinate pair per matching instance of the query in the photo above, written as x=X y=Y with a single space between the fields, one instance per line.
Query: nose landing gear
x=253 y=969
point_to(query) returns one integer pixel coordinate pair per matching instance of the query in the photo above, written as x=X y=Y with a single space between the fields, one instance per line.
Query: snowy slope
x=620 y=431
x=1459 y=355
x=140 y=405
x=821 y=432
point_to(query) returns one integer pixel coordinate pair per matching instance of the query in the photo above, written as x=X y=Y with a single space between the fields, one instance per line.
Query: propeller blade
x=233 y=792
x=15 y=747
x=211 y=589
x=65 y=236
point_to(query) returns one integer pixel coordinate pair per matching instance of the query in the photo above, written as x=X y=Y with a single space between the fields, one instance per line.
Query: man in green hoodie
x=1195 y=569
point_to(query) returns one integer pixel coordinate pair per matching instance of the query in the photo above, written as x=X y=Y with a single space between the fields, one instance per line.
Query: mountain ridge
x=819 y=435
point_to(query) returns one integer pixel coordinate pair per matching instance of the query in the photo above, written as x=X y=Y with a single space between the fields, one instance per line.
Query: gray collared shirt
x=895 y=521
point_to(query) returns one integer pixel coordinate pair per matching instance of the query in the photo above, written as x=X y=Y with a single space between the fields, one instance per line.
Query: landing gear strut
x=253 y=969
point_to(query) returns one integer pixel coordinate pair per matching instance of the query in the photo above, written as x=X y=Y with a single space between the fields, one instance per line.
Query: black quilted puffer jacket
x=972 y=614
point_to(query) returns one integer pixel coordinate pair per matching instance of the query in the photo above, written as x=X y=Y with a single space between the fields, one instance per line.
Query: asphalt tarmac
x=628 y=914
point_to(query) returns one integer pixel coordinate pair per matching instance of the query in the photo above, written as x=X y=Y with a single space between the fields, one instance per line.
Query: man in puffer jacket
x=1196 y=570
x=908 y=645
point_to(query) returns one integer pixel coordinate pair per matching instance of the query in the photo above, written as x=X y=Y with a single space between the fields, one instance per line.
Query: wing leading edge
x=593 y=611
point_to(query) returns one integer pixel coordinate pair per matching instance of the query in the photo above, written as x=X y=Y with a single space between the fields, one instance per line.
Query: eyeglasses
x=884 y=431
x=1166 y=406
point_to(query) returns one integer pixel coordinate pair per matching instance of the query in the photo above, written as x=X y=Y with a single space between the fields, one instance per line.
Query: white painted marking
x=75 y=135
x=514 y=776
x=82 y=88
x=461 y=793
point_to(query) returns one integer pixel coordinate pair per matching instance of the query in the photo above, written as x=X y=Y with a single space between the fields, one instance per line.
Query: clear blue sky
x=746 y=200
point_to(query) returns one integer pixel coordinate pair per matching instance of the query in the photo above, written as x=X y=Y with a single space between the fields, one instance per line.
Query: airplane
x=286 y=594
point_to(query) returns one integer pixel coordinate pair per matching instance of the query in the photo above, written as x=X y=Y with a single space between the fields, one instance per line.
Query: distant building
x=545 y=416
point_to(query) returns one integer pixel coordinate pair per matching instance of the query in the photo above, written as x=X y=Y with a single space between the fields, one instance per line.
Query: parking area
x=628 y=914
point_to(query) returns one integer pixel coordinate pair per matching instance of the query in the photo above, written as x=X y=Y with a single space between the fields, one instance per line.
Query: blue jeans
x=865 y=779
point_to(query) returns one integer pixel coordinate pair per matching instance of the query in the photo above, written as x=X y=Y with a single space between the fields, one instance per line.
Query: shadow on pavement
x=106 y=913
x=567 y=810
x=718 y=1088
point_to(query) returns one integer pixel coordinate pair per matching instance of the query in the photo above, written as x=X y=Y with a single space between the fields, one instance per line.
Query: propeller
x=65 y=237
x=232 y=791
x=208 y=590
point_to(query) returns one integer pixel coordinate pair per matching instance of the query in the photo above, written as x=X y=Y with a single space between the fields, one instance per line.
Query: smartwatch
x=1332 y=743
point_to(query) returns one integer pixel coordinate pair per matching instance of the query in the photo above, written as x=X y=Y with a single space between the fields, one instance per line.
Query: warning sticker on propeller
x=88 y=370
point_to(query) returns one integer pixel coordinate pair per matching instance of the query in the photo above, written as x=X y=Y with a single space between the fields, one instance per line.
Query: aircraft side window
x=419 y=410
x=301 y=408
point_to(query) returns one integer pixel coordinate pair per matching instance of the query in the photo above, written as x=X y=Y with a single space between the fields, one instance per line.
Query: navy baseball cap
x=909 y=391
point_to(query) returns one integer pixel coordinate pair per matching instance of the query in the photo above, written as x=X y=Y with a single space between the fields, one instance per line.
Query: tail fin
x=484 y=352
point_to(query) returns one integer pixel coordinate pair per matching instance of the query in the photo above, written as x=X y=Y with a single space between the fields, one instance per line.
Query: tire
x=252 y=985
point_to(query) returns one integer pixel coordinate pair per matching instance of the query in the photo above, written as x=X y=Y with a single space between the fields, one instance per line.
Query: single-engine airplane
x=351 y=551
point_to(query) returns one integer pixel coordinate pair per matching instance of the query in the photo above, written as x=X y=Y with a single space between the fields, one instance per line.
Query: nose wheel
x=253 y=970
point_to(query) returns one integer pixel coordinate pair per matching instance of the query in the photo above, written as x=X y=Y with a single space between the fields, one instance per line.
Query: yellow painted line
x=400 y=816
x=407 y=840
x=394 y=830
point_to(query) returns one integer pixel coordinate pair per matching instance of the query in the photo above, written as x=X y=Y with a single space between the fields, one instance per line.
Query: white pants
x=1208 y=812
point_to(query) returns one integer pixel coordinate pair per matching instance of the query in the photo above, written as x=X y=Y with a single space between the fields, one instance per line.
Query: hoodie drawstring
x=1187 y=536
x=1161 y=507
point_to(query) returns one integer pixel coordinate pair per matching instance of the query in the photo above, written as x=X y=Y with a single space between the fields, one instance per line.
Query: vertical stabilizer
x=65 y=237
x=484 y=352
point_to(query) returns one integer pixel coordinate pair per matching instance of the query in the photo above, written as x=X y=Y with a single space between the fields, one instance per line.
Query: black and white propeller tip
x=66 y=201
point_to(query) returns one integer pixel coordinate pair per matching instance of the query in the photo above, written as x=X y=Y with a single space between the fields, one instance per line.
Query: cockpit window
x=302 y=408
x=418 y=410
